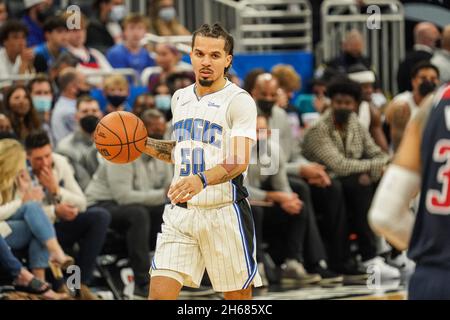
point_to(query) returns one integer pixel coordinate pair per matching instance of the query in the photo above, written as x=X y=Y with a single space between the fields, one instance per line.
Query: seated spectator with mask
x=424 y=79
x=70 y=83
x=42 y=96
x=339 y=142
x=116 y=90
x=21 y=112
x=164 y=19
x=78 y=146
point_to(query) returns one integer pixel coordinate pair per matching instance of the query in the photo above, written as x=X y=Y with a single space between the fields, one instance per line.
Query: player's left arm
x=243 y=135
x=389 y=214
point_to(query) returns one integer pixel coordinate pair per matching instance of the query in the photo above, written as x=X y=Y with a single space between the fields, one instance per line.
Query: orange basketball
x=120 y=137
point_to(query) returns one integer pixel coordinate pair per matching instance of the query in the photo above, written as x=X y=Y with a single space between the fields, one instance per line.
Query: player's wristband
x=202 y=177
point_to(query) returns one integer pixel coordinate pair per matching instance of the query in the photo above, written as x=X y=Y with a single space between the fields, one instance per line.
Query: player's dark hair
x=215 y=31
x=342 y=85
x=35 y=140
x=423 y=65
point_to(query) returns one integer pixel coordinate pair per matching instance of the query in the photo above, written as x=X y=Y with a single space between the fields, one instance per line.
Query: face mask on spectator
x=89 y=123
x=42 y=103
x=265 y=106
x=82 y=93
x=116 y=101
x=426 y=87
x=118 y=13
x=162 y=101
x=341 y=116
x=167 y=14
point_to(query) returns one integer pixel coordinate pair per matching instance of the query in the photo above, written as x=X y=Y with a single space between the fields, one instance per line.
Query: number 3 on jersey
x=192 y=160
x=438 y=201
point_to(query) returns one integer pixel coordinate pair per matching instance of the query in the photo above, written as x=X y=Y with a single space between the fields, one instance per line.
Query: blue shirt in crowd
x=35 y=32
x=120 y=57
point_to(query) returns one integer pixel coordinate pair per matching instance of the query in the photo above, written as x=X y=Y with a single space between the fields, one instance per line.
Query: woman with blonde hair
x=23 y=222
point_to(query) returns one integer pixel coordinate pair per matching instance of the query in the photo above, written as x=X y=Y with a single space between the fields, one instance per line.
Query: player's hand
x=66 y=211
x=47 y=179
x=185 y=189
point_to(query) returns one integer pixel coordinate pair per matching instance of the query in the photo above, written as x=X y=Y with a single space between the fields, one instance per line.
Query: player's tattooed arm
x=160 y=149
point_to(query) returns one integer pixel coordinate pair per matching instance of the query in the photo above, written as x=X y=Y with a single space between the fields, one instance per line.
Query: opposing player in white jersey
x=209 y=224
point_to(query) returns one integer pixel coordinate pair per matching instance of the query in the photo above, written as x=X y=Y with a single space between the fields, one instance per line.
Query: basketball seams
x=134 y=135
x=121 y=145
x=126 y=135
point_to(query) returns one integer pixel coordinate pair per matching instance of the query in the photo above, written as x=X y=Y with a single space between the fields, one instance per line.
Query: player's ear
x=229 y=59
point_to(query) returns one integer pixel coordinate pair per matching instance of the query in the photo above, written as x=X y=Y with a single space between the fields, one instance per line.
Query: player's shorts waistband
x=186 y=205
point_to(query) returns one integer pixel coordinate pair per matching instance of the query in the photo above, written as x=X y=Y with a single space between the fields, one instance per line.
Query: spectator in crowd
x=265 y=94
x=98 y=35
x=164 y=19
x=250 y=79
x=42 y=96
x=5 y=124
x=19 y=108
x=116 y=91
x=310 y=106
x=167 y=62
x=23 y=222
x=369 y=115
x=63 y=115
x=131 y=54
x=162 y=95
x=142 y=103
x=64 y=60
x=55 y=31
x=425 y=37
x=90 y=60
x=289 y=82
x=118 y=12
x=74 y=223
x=350 y=155
x=352 y=54
x=15 y=57
x=3 y=12
x=135 y=194
x=36 y=12
x=79 y=145
x=294 y=219
x=424 y=79
x=24 y=280
x=178 y=80
x=441 y=58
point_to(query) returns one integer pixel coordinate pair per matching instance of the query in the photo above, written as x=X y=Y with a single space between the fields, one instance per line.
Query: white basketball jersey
x=203 y=137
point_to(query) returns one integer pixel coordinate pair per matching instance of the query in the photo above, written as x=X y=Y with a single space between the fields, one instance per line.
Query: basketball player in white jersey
x=208 y=224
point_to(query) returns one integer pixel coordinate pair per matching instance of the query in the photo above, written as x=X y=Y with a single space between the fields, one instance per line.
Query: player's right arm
x=160 y=149
x=390 y=214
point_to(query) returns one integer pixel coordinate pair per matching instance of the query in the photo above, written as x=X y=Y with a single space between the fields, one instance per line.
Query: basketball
x=120 y=137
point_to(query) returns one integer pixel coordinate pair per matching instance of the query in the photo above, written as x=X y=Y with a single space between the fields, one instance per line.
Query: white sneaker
x=378 y=264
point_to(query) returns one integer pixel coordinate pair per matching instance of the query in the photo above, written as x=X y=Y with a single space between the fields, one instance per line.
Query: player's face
x=41 y=158
x=209 y=59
